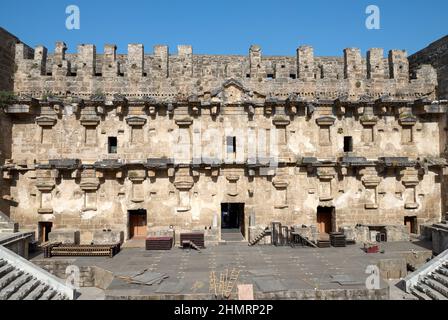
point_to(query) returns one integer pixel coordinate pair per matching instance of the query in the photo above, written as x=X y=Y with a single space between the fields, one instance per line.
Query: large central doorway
x=137 y=223
x=325 y=219
x=232 y=221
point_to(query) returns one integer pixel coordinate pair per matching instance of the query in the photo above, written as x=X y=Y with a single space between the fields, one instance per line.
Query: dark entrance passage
x=411 y=224
x=232 y=221
x=137 y=223
x=44 y=230
x=325 y=219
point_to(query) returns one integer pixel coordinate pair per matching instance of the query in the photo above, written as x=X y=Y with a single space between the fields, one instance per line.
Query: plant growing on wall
x=6 y=97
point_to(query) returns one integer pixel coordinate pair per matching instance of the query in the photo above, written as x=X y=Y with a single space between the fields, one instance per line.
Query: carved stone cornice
x=137 y=175
x=45 y=185
x=280 y=121
x=325 y=173
x=90 y=121
x=46 y=121
x=407 y=120
x=409 y=177
x=184 y=122
x=87 y=184
x=280 y=182
x=183 y=182
x=232 y=178
x=135 y=121
x=368 y=120
x=371 y=181
x=325 y=121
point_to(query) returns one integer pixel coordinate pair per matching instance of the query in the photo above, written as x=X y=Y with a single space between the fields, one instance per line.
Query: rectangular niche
x=90 y=136
x=47 y=135
x=90 y=200
x=367 y=134
x=324 y=136
x=406 y=134
x=136 y=134
x=138 y=194
x=45 y=202
x=184 y=201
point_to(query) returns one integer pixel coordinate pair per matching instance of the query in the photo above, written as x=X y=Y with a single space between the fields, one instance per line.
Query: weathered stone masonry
x=69 y=107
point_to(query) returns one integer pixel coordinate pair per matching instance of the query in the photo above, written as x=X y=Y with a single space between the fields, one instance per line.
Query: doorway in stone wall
x=232 y=222
x=325 y=217
x=137 y=223
x=44 y=229
x=411 y=224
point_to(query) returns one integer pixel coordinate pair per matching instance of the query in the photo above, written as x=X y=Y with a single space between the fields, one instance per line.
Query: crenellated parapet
x=162 y=74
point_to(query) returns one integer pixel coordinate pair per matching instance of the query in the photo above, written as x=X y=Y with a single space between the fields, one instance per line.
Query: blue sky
x=230 y=26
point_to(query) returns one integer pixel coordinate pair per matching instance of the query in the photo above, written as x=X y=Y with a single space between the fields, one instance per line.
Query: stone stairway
x=22 y=280
x=430 y=282
x=434 y=286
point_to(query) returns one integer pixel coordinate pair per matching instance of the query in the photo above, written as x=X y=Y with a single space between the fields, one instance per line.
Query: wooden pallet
x=76 y=250
x=337 y=239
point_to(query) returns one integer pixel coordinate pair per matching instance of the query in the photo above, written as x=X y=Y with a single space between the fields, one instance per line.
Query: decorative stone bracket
x=137 y=177
x=371 y=181
x=45 y=184
x=281 y=184
x=410 y=181
x=325 y=175
x=232 y=189
x=183 y=182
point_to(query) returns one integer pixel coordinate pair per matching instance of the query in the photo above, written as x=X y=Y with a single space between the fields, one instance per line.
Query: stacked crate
x=159 y=243
x=337 y=239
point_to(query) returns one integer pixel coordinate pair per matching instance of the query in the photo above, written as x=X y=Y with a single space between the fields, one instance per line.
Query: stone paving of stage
x=267 y=267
